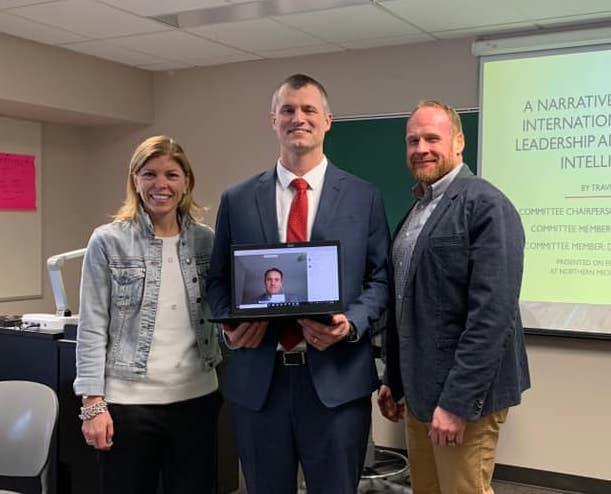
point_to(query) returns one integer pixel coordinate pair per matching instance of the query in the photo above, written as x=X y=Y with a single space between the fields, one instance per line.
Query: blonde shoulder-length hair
x=153 y=147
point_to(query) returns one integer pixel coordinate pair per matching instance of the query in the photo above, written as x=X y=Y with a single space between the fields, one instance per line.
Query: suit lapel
x=265 y=195
x=449 y=195
x=330 y=196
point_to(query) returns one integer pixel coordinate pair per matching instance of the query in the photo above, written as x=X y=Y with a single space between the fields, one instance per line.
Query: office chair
x=28 y=418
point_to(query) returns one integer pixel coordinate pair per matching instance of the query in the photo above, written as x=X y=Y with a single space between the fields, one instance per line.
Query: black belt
x=291 y=358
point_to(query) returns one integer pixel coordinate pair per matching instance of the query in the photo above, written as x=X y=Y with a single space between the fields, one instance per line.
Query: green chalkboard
x=374 y=149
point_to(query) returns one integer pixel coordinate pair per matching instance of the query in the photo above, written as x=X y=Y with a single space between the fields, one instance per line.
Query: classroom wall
x=65 y=194
x=68 y=91
x=40 y=82
x=220 y=114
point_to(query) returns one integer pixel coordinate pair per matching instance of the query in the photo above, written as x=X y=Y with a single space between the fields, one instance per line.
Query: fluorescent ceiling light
x=251 y=10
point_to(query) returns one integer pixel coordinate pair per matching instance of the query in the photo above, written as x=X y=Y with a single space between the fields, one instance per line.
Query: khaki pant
x=463 y=469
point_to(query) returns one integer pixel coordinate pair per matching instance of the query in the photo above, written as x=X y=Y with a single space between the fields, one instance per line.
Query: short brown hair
x=449 y=111
x=271 y=270
x=297 y=81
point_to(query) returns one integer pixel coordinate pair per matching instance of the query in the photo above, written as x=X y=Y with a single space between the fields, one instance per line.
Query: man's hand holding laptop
x=322 y=336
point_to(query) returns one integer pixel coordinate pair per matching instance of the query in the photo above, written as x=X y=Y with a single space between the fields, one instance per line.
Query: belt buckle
x=292 y=359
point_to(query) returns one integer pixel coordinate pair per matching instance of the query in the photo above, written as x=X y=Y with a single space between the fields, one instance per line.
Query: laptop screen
x=291 y=279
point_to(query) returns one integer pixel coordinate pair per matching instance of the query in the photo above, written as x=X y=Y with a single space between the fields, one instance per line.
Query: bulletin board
x=21 y=259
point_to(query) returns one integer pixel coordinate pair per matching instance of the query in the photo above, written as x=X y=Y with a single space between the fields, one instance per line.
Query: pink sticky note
x=17 y=182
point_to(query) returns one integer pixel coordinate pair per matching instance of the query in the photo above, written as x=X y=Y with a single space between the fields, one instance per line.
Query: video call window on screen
x=286 y=275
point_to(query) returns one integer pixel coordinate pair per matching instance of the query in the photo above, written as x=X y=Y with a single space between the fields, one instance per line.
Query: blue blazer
x=351 y=211
x=459 y=342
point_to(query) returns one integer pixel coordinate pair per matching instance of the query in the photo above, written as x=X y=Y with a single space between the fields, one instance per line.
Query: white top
x=174 y=371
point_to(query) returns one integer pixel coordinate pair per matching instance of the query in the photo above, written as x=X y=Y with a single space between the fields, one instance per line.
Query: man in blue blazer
x=455 y=343
x=309 y=404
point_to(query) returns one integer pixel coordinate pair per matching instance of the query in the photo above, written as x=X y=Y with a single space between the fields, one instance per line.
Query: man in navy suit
x=455 y=343
x=308 y=404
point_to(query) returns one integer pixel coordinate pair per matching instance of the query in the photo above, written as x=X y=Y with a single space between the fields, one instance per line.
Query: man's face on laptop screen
x=273 y=282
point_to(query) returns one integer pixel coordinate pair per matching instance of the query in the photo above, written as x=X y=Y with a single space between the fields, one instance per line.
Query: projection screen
x=545 y=141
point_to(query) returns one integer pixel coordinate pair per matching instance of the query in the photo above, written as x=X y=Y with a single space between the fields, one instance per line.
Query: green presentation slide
x=546 y=143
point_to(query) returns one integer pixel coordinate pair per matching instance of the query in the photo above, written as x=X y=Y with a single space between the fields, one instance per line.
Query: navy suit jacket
x=458 y=341
x=351 y=211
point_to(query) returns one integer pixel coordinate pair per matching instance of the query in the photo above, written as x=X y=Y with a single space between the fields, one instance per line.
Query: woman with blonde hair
x=146 y=354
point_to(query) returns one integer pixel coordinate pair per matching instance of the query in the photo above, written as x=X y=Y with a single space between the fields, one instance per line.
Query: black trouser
x=293 y=428
x=174 y=442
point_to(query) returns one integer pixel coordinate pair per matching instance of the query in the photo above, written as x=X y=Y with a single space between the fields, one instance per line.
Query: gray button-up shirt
x=427 y=199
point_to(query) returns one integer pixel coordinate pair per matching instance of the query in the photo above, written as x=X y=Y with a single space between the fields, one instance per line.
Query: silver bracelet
x=92 y=411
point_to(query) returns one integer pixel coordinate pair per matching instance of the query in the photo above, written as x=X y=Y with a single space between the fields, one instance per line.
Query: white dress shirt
x=284 y=194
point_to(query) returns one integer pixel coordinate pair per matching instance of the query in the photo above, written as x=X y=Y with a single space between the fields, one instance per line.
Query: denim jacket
x=118 y=301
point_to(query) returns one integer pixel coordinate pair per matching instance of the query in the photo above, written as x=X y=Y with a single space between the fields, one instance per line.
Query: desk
x=49 y=358
x=30 y=356
x=77 y=461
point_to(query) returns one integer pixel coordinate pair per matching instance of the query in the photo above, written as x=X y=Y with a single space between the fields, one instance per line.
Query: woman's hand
x=99 y=430
x=246 y=334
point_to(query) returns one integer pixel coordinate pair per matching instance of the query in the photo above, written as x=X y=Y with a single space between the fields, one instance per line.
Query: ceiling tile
x=24 y=28
x=386 y=41
x=155 y=46
x=435 y=15
x=221 y=60
x=88 y=18
x=165 y=66
x=8 y=4
x=256 y=35
x=299 y=51
x=149 y=8
x=111 y=51
x=481 y=30
x=183 y=47
x=207 y=60
x=552 y=21
x=349 y=23
x=559 y=8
